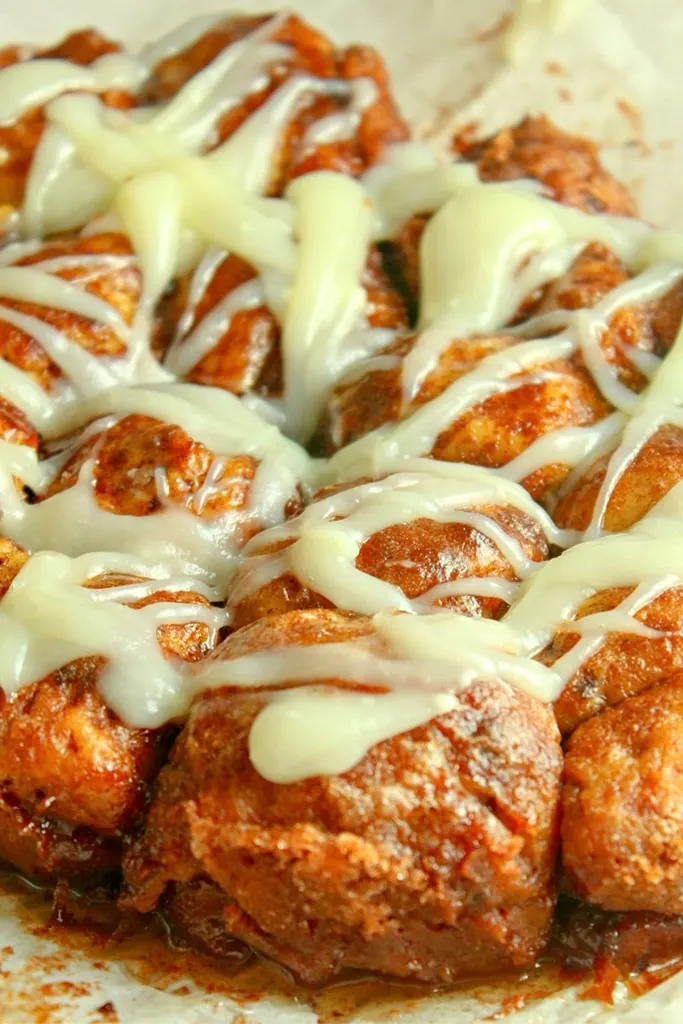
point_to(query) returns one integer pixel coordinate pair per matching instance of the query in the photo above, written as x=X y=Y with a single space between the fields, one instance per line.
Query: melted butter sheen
x=148 y=173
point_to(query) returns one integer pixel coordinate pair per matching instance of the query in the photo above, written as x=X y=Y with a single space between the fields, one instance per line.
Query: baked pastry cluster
x=341 y=564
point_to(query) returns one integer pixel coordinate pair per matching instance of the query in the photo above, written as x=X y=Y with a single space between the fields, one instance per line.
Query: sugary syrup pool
x=590 y=949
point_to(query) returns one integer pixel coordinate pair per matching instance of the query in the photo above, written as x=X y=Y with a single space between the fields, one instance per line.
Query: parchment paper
x=616 y=75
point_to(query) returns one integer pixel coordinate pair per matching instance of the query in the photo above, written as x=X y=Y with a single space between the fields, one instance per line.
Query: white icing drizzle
x=587 y=327
x=14 y=251
x=33 y=83
x=327 y=537
x=17 y=462
x=476 y=586
x=300 y=734
x=422 y=661
x=150 y=208
x=647 y=558
x=446 y=652
x=434 y=653
x=494 y=374
x=342 y=126
x=503 y=370
x=118 y=148
x=660 y=404
x=472 y=253
x=112 y=146
x=31 y=284
x=180 y=38
x=49 y=618
x=190 y=349
x=22 y=391
x=85 y=373
x=246 y=157
x=213 y=417
x=411 y=179
x=566 y=446
x=96 y=265
x=61 y=193
x=327 y=299
x=593 y=630
x=560 y=586
x=486 y=248
x=177 y=535
x=375 y=336
x=511 y=222
x=92 y=157
x=201 y=280
x=53 y=157
x=237 y=70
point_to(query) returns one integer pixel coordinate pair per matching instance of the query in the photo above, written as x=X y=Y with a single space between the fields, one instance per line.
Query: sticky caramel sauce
x=590 y=949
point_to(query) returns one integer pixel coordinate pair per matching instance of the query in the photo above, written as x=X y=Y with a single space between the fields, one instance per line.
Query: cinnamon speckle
x=107 y=1011
x=631 y=114
x=487 y=35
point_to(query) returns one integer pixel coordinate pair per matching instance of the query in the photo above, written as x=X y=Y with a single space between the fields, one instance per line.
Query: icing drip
x=179 y=536
x=327 y=537
x=150 y=173
x=48 y=618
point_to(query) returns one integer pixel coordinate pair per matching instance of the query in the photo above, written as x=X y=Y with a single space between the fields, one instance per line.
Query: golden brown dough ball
x=648 y=478
x=310 y=52
x=141 y=484
x=414 y=556
x=116 y=283
x=566 y=165
x=126 y=456
x=20 y=138
x=625 y=663
x=549 y=397
x=491 y=433
x=246 y=357
x=75 y=777
x=374 y=869
x=622 y=842
x=647 y=327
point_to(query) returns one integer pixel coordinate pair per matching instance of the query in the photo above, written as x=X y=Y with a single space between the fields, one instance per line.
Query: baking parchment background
x=616 y=74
